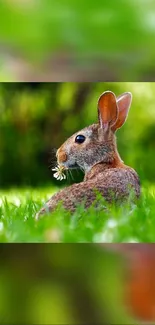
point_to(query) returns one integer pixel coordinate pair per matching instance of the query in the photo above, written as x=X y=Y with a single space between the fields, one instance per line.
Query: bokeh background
x=77 y=284
x=36 y=118
x=70 y=40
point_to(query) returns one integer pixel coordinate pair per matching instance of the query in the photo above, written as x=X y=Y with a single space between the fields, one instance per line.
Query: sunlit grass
x=122 y=224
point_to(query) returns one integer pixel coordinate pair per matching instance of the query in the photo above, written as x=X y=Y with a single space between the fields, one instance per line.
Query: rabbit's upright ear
x=123 y=103
x=107 y=110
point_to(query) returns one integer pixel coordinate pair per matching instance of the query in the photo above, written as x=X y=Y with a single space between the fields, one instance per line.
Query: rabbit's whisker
x=52 y=164
x=70 y=172
x=82 y=169
x=52 y=158
x=78 y=171
x=68 y=175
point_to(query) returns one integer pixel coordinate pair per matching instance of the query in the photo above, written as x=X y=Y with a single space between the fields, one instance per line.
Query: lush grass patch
x=123 y=224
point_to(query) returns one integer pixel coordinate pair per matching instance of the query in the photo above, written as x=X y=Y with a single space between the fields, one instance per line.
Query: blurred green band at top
x=70 y=40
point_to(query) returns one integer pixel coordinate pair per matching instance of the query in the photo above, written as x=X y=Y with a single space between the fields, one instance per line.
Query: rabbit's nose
x=61 y=156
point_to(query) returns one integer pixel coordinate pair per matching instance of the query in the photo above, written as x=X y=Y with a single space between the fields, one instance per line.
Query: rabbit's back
x=120 y=182
x=114 y=185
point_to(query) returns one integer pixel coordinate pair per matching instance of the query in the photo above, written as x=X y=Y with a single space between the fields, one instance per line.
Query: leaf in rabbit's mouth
x=59 y=175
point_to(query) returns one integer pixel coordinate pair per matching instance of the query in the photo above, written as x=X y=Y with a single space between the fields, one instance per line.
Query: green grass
x=123 y=224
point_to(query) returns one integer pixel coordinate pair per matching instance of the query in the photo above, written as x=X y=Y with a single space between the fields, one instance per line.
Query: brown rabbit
x=94 y=150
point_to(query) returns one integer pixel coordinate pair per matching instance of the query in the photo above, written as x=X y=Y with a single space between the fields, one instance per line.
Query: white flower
x=59 y=175
x=55 y=169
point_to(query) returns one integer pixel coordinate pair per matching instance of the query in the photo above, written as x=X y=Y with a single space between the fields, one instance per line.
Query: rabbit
x=94 y=150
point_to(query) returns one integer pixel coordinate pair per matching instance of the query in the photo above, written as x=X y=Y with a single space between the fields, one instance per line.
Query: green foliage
x=117 y=224
x=67 y=19
x=114 y=34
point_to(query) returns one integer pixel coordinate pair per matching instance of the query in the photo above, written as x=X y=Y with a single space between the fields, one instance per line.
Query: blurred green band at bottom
x=62 y=284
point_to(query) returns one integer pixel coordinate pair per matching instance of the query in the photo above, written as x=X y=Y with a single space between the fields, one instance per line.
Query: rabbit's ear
x=107 y=110
x=123 y=103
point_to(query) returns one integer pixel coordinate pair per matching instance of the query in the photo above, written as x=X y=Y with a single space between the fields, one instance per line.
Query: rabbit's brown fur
x=98 y=157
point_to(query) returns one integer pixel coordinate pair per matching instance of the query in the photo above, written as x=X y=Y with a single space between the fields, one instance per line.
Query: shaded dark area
x=36 y=118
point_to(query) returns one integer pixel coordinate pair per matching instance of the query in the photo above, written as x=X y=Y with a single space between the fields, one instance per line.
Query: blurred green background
x=36 y=118
x=73 y=41
x=62 y=284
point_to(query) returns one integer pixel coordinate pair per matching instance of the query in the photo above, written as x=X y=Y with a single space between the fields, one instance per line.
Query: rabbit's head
x=96 y=143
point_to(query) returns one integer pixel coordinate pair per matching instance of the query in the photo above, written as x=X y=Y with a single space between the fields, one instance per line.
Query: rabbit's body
x=94 y=150
x=115 y=184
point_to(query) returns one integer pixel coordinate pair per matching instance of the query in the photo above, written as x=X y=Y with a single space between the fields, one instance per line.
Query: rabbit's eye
x=80 y=138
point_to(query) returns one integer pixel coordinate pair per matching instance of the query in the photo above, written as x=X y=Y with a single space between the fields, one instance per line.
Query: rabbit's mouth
x=67 y=165
x=73 y=166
